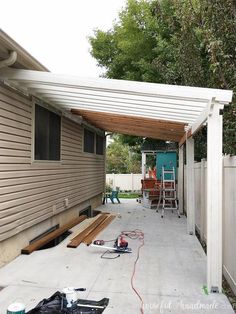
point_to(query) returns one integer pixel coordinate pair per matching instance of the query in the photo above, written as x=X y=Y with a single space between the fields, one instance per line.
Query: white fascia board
x=130 y=87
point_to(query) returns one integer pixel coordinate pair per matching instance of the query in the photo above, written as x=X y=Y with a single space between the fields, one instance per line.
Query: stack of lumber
x=52 y=235
x=88 y=234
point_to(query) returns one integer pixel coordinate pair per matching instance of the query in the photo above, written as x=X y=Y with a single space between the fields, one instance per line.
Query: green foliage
x=185 y=42
x=108 y=187
x=124 y=154
x=120 y=158
x=133 y=142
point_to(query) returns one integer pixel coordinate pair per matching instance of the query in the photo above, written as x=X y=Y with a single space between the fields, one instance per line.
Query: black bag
x=57 y=304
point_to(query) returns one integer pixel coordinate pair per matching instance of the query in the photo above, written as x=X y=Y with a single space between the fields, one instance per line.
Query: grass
x=128 y=195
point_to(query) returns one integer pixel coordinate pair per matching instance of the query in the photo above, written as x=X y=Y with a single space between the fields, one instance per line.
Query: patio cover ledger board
x=138 y=108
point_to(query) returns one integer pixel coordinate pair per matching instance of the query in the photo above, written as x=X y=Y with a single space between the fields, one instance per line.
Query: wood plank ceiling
x=166 y=130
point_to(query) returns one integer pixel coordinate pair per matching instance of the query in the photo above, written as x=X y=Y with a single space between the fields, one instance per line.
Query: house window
x=99 y=145
x=47 y=140
x=89 y=141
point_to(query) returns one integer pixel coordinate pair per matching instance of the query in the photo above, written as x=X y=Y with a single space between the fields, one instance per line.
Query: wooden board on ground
x=91 y=236
x=52 y=235
x=80 y=237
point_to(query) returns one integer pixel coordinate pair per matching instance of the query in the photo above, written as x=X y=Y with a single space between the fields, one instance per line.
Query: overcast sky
x=55 y=31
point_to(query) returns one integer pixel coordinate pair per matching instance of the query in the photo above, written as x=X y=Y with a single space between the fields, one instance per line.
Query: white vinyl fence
x=125 y=182
x=229 y=213
x=132 y=182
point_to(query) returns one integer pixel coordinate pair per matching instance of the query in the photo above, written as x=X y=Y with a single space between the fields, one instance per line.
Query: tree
x=124 y=154
x=185 y=42
x=120 y=158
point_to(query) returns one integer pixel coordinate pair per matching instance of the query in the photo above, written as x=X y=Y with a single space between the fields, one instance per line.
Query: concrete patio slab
x=170 y=273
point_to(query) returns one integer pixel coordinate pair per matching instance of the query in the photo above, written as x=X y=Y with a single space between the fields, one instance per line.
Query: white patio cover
x=136 y=108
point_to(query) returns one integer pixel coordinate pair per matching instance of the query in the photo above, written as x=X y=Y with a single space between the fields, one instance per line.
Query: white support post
x=190 y=186
x=202 y=200
x=132 y=182
x=143 y=165
x=214 y=200
x=114 y=181
x=181 y=180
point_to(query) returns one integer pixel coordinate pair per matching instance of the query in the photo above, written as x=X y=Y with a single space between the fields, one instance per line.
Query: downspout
x=9 y=61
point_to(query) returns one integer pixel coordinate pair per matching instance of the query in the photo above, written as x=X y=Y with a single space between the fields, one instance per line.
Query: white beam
x=214 y=201
x=144 y=165
x=190 y=186
x=203 y=116
x=181 y=180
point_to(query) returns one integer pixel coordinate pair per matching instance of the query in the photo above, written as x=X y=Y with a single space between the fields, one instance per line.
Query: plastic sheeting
x=57 y=304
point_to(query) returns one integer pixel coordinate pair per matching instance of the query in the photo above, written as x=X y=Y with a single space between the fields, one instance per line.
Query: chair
x=114 y=195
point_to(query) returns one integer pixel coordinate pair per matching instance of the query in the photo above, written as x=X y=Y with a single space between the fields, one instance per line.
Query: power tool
x=120 y=242
x=99 y=242
x=120 y=245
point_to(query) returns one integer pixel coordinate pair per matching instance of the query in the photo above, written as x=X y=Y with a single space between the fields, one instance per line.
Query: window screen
x=99 y=145
x=88 y=141
x=47 y=144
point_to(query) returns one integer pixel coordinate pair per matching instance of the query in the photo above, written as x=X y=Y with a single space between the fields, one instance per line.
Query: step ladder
x=168 y=194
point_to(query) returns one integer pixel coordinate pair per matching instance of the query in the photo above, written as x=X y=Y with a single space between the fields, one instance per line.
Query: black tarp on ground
x=57 y=304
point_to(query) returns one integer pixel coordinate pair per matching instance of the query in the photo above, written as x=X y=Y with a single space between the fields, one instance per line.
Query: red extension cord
x=136 y=234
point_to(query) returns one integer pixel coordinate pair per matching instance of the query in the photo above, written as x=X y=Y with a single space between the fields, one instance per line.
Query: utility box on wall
x=167 y=160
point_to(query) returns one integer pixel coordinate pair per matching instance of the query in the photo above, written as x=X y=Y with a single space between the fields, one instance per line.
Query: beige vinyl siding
x=32 y=192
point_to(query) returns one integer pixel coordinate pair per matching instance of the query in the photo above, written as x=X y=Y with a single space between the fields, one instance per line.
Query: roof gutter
x=24 y=59
x=9 y=61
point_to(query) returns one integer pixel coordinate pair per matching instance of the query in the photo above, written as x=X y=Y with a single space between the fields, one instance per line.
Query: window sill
x=93 y=155
x=46 y=162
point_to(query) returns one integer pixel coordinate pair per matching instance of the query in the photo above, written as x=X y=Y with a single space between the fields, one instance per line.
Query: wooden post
x=181 y=180
x=214 y=200
x=190 y=186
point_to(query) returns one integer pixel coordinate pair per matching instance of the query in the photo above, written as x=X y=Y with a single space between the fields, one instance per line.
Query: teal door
x=167 y=160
